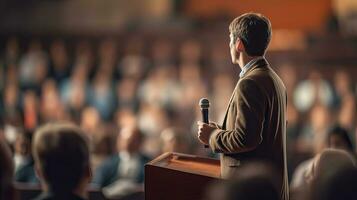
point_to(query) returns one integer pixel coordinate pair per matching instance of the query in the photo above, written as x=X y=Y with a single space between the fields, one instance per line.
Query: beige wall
x=90 y=15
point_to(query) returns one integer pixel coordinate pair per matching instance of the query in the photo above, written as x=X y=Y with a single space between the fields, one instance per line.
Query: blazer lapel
x=258 y=63
x=229 y=105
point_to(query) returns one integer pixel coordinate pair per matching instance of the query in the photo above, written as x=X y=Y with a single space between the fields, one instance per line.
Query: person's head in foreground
x=61 y=156
x=328 y=162
x=250 y=35
x=255 y=181
x=341 y=184
x=332 y=168
x=6 y=172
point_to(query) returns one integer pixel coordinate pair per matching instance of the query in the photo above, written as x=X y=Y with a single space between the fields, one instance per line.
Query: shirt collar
x=249 y=65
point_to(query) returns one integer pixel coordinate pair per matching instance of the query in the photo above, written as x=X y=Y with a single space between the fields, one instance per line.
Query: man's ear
x=239 y=46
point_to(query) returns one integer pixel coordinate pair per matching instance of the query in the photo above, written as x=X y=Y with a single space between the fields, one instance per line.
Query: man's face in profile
x=234 y=53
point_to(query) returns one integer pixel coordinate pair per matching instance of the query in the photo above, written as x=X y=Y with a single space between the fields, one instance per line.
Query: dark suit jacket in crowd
x=52 y=196
x=26 y=173
x=254 y=127
x=107 y=173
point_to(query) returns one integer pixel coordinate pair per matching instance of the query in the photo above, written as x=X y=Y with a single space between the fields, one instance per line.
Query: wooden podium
x=176 y=176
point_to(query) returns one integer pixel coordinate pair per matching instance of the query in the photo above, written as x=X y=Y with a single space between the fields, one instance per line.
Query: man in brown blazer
x=254 y=127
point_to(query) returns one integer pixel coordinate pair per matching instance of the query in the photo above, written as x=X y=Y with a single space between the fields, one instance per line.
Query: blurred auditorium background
x=110 y=64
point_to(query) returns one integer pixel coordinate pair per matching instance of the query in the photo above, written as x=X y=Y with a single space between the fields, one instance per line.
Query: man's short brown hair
x=254 y=30
x=62 y=154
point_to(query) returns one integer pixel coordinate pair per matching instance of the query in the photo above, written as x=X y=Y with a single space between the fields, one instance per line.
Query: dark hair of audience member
x=255 y=181
x=339 y=185
x=130 y=139
x=61 y=156
x=253 y=188
x=6 y=172
x=339 y=138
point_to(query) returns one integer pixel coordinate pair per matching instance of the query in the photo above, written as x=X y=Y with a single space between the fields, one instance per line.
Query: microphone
x=204 y=105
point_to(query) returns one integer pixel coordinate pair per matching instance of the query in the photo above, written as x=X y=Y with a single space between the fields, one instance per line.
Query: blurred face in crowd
x=22 y=145
x=342 y=82
x=337 y=142
x=59 y=54
x=90 y=119
x=12 y=48
x=125 y=116
x=172 y=141
x=129 y=140
x=11 y=94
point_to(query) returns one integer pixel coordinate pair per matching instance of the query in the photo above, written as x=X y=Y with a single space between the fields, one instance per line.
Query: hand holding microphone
x=204 y=105
x=204 y=128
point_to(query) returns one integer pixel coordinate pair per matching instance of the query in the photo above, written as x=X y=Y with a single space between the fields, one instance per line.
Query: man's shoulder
x=263 y=76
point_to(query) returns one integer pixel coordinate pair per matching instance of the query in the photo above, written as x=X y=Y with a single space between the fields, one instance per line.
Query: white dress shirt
x=129 y=165
x=249 y=65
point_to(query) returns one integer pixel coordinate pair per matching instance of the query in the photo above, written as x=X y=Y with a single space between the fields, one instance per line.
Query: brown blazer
x=254 y=127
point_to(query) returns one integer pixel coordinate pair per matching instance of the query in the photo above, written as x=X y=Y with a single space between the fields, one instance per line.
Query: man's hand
x=205 y=131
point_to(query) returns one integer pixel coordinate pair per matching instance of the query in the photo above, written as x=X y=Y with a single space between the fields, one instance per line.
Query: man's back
x=257 y=114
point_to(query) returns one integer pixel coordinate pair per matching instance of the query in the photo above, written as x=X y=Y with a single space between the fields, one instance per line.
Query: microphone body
x=204 y=105
x=204 y=112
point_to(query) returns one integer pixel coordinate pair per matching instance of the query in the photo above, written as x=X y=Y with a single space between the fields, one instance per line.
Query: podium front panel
x=178 y=176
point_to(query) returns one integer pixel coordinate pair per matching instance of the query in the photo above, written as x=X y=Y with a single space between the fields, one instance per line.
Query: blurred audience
x=339 y=138
x=155 y=83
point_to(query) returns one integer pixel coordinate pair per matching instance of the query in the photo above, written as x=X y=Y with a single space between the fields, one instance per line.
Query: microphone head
x=204 y=103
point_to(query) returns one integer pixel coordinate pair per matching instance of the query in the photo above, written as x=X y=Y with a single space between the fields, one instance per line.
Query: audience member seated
x=24 y=163
x=103 y=145
x=123 y=173
x=330 y=161
x=6 y=172
x=340 y=184
x=61 y=156
x=337 y=138
x=255 y=181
